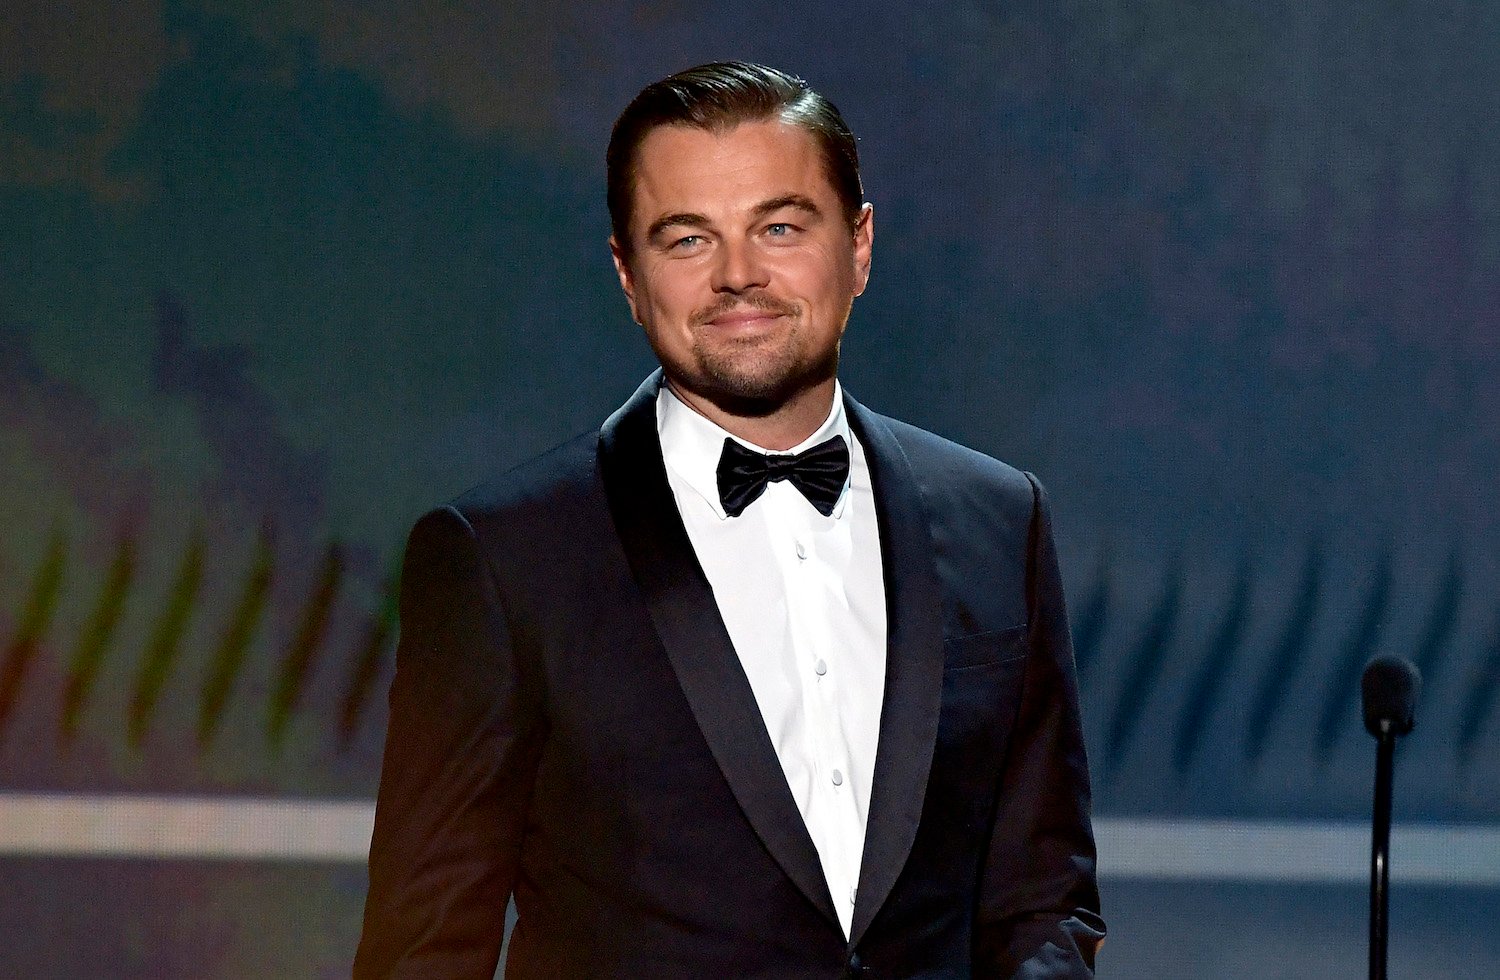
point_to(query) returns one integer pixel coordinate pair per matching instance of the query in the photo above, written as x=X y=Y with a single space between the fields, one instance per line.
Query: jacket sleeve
x=461 y=750
x=1038 y=911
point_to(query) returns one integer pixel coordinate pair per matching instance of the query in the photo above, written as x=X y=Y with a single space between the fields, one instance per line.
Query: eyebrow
x=688 y=219
x=800 y=202
x=666 y=221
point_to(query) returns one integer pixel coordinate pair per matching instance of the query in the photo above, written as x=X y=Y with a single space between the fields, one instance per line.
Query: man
x=752 y=682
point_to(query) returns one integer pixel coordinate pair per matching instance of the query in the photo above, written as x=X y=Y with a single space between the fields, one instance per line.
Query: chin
x=761 y=389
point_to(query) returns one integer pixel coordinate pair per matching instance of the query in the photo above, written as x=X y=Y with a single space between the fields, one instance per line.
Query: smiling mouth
x=744 y=318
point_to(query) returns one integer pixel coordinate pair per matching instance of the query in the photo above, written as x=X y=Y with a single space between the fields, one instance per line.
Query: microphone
x=1389 y=689
x=1390 y=686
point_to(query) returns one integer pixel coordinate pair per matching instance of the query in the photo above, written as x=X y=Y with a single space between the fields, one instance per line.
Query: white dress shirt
x=803 y=599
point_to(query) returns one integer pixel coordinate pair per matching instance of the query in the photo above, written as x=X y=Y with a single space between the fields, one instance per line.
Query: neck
x=778 y=430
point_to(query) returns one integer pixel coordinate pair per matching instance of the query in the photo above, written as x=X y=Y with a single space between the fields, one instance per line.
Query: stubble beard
x=756 y=378
x=752 y=377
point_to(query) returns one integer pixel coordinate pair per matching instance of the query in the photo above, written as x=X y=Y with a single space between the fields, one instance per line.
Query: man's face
x=742 y=267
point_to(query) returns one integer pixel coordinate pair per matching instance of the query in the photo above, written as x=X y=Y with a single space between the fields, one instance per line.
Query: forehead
x=686 y=168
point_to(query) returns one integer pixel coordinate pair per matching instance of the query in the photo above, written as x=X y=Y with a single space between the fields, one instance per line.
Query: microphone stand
x=1380 y=849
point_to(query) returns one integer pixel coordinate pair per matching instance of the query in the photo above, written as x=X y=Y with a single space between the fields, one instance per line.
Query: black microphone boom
x=1389 y=687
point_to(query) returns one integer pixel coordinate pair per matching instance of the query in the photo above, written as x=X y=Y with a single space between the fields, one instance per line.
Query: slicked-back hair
x=717 y=97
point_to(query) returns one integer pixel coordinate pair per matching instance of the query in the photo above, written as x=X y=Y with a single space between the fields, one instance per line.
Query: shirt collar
x=691 y=444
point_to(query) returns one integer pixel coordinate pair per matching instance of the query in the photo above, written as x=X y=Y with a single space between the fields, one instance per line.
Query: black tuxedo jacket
x=570 y=723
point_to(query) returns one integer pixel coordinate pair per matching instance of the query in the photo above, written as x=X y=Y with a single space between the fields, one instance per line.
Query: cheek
x=824 y=269
x=825 y=285
x=673 y=295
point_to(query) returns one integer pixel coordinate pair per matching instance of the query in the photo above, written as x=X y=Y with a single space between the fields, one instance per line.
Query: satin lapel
x=913 y=668
x=688 y=622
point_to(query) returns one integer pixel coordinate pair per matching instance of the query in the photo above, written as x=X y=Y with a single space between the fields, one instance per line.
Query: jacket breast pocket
x=975 y=650
x=983 y=681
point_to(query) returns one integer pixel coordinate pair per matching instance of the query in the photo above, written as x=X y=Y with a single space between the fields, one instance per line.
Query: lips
x=744 y=318
x=744 y=312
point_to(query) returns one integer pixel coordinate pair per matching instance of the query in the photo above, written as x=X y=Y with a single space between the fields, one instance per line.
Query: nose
x=738 y=269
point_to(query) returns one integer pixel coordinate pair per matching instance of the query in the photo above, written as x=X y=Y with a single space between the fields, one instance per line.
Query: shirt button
x=801 y=551
x=838 y=778
x=820 y=668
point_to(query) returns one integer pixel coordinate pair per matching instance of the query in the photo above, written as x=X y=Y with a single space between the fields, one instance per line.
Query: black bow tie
x=820 y=473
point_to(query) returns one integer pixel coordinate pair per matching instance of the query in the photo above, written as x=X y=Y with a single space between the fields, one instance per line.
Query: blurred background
x=276 y=277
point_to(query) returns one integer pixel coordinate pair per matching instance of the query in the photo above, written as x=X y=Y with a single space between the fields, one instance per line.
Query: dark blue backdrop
x=276 y=277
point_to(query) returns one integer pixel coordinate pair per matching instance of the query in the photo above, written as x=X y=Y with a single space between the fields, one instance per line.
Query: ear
x=627 y=280
x=864 y=244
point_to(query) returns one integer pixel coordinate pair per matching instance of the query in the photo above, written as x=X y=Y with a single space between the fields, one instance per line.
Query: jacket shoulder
x=524 y=510
x=553 y=482
x=535 y=528
x=949 y=470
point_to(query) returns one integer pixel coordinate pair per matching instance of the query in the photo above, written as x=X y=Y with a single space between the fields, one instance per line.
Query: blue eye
x=779 y=228
x=687 y=241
